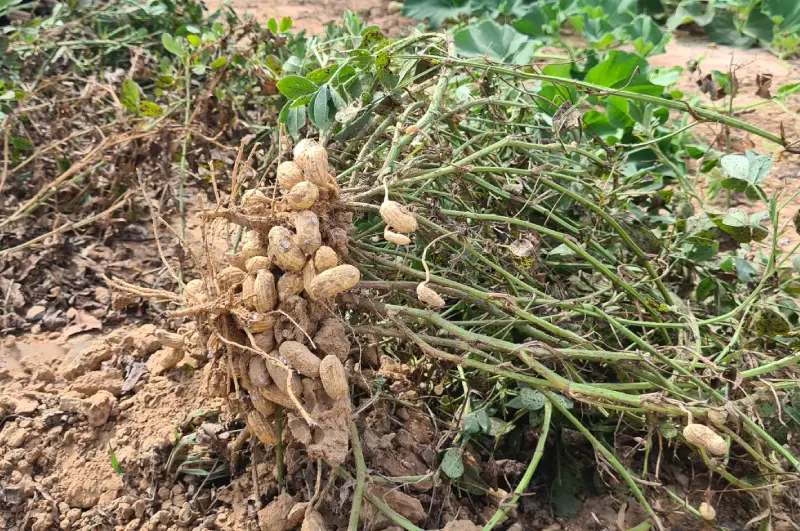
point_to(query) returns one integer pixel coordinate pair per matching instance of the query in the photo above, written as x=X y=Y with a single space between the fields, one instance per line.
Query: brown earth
x=75 y=399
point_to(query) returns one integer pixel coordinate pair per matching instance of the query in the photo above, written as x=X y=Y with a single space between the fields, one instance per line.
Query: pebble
x=35 y=313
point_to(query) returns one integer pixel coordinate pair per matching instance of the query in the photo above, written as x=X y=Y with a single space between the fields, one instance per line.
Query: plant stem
x=361 y=475
x=528 y=476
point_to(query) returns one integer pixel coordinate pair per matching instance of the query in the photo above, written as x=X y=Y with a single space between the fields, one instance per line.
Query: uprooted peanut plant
x=528 y=247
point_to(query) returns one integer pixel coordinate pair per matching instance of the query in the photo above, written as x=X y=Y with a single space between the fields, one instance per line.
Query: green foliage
x=495 y=42
x=609 y=23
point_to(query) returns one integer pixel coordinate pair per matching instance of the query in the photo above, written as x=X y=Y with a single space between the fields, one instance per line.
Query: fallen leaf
x=82 y=322
x=763 y=83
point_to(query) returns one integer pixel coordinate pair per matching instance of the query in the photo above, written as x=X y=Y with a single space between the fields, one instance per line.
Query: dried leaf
x=763 y=83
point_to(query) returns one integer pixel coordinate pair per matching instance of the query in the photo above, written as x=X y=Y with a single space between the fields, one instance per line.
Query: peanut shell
x=266 y=295
x=172 y=357
x=229 y=277
x=289 y=285
x=300 y=358
x=257 y=372
x=262 y=428
x=284 y=249
x=334 y=379
x=169 y=339
x=429 y=297
x=254 y=202
x=195 y=292
x=259 y=322
x=309 y=239
x=707 y=512
x=313 y=522
x=288 y=175
x=309 y=272
x=395 y=237
x=248 y=291
x=264 y=406
x=301 y=146
x=704 y=437
x=313 y=160
x=334 y=281
x=278 y=375
x=258 y=262
x=302 y=196
x=274 y=394
x=264 y=341
x=398 y=217
x=325 y=258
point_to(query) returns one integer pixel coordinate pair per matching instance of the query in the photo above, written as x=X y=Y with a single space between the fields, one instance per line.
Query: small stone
x=26 y=406
x=94 y=381
x=80 y=494
x=164 y=493
x=44 y=374
x=35 y=313
x=17 y=438
x=139 y=507
x=70 y=402
x=97 y=408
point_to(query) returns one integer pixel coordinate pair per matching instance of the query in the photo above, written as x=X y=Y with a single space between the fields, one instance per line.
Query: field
x=449 y=265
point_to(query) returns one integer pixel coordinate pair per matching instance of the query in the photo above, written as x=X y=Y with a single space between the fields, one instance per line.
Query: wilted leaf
x=763 y=83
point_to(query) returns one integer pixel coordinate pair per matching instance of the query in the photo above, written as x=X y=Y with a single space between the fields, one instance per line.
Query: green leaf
x=130 y=95
x=701 y=13
x=750 y=167
x=172 y=45
x=759 y=26
x=564 y=493
x=7 y=96
x=20 y=143
x=723 y=30
x=293 y=117
x=452 y=463
x=624 y=70
x=645 y=35
x=530 y=399
x=744 y=270
x=114 y=462
x=668 y=430
x=477 y=422
x=322 y=75
x=435 y=12
x=564 y=401
x=152 y=109
x=540 y=21
x=770 y=324
x=318 y=111
x=219 y=62
x=286 y=24
x=194 y=40
x=272 y=24
x=500 y=44
x=785 y=13
x=704 y=289
x=294 y=87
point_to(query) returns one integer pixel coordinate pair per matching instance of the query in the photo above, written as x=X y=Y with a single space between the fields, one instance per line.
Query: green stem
x=526 y=479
